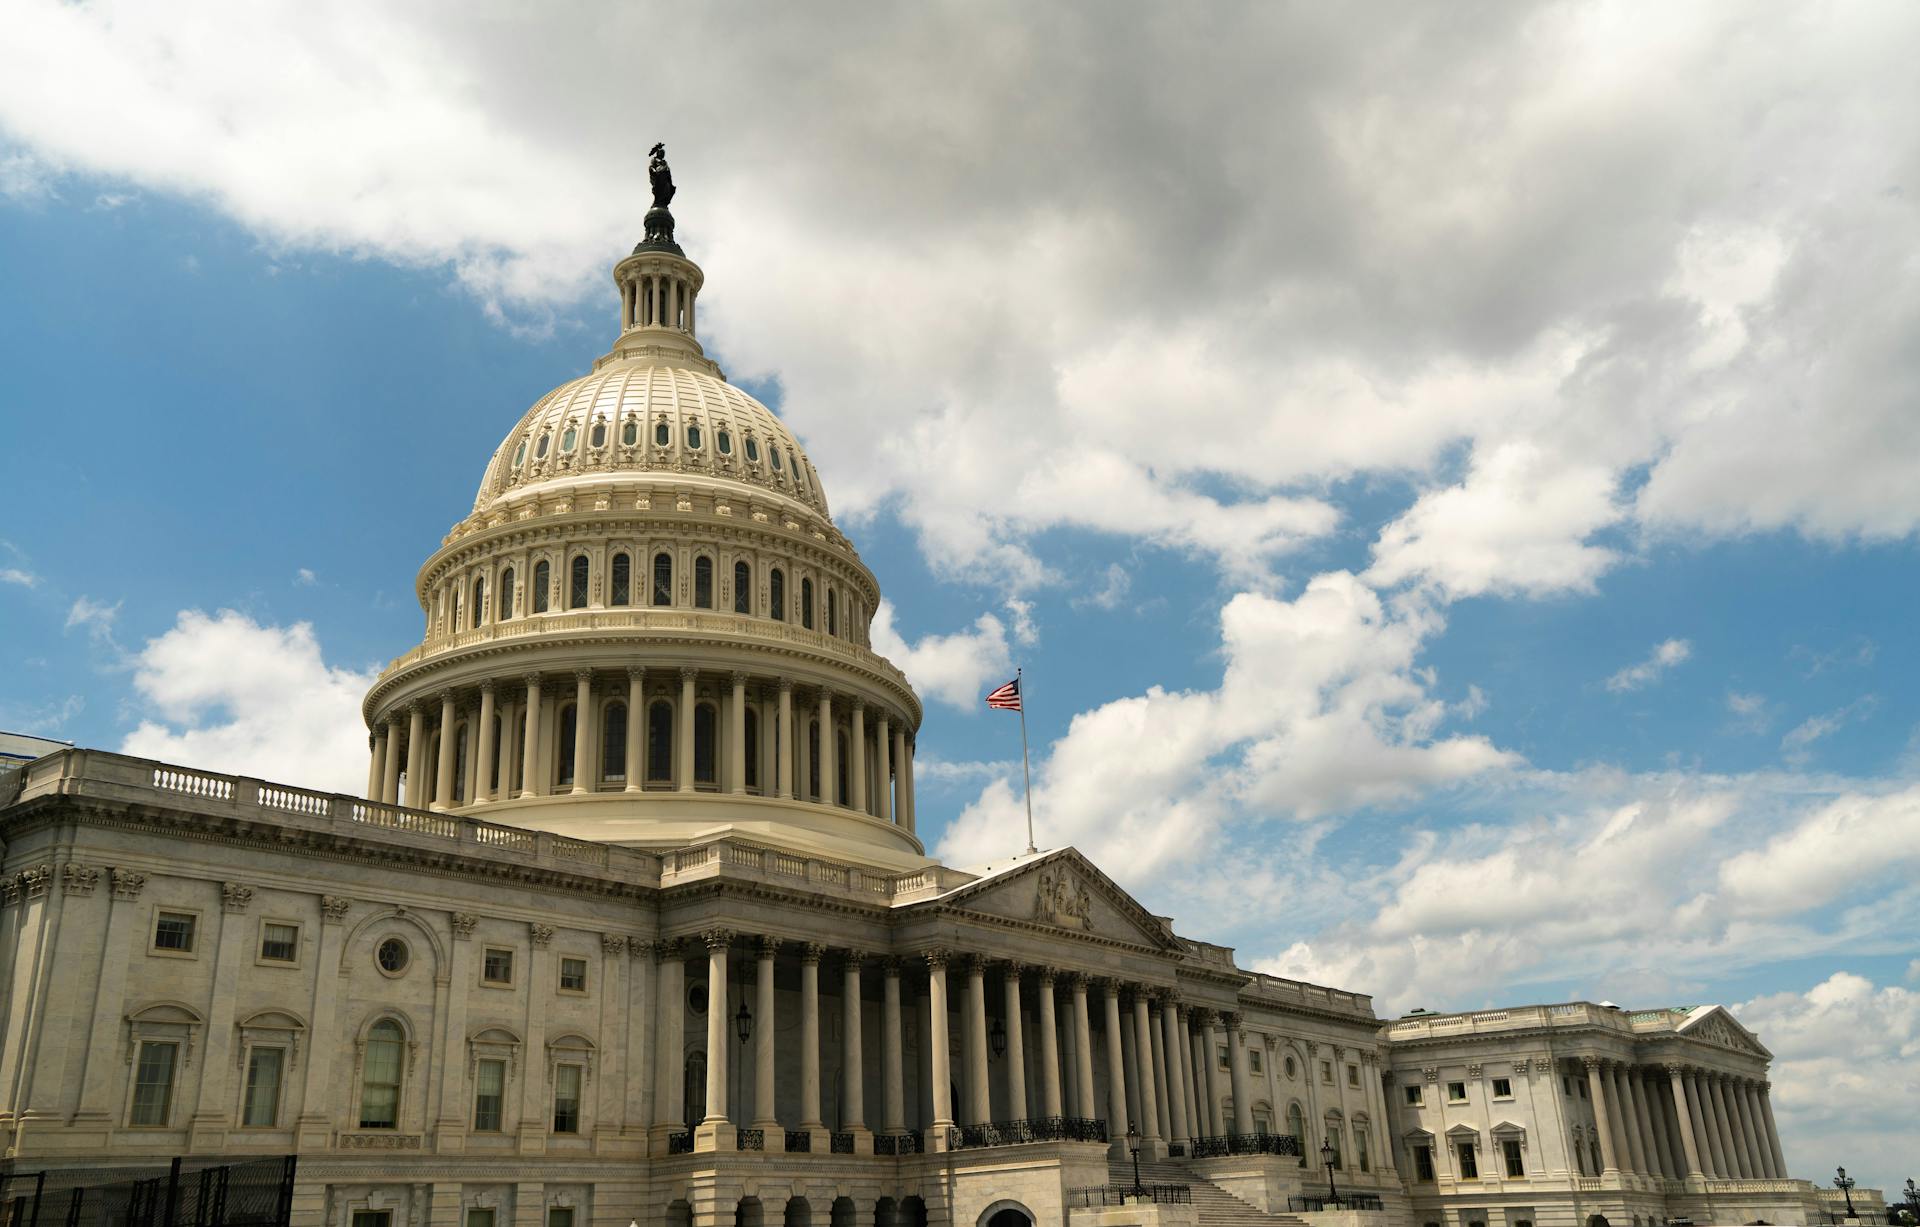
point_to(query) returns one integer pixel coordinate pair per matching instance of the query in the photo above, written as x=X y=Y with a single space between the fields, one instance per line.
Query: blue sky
x=1464 y=553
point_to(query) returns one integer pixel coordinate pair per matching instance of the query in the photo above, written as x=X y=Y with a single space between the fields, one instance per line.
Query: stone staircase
x=1213 y=1205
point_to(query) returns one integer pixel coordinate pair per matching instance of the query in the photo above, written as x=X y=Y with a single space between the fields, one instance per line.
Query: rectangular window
x=1353 y=1075
x=566 y=1099
x=1360 y=1148
x=153 y=1084
x=1253 y=1055
x=489 y=1091
x=496 y=966
x=560 y=1216
x=1326 y=1071
x=1469 y=1163
x=573 y=975
x=1582 y=1087
x=1333 y=1140
x=262 y=1109
x=479 y=1216
x=1423 y=1163
x=1415 y=1097
x=279 y=943
x=1226 y=1059
x=174 y=931
x=1502 y=1088
x=1510 y=1149
x=373 y=1218
x=1566 y=1086
x=1456 y=1092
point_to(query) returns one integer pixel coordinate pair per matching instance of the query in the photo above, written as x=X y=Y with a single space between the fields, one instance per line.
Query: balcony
x=1019 y=1132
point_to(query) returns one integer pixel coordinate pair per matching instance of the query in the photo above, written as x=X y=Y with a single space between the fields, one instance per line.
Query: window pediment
x=1463 y=1133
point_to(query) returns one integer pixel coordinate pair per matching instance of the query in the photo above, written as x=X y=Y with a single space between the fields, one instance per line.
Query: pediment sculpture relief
x=1063 y=901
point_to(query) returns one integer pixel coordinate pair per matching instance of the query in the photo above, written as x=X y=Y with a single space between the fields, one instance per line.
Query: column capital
x=486 y=685
x=689 y=672
x=1202 y=1016
x=859 y=705
x=636 y=673
x=812 y=952
x=1674 y=1068
x=613 y=943
x=851 y=959
x=890 y=966
x=738 y=677
x=786 y=685
x=583 y=674
x=1594 y=1063
x=766 y=947
x=531 y=679
x=643 y=948
x=445 y=696
x=717 y=939
x=1166 y=998
x=541 y=934
x=1048 y=975
x=670 y=948
x=938 y=957
x=1231 y=1019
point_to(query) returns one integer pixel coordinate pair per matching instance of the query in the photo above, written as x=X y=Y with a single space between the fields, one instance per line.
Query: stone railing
x=1274 y=990
x=1016 y=1132
x=1522 y=1018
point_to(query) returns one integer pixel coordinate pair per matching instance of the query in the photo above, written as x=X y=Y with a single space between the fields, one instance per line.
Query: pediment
x=1065 y=892
x=1713 y=1025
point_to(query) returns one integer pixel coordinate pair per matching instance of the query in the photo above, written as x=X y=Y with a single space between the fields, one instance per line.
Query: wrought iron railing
x=1246 y=1144
x=750 y=1139
x=840 y=1142
x=1120 y=1195
x=799 y=1142
x=908 y=1143
x=1350 y=1201
x=1039 y=1129
x=1176 y=1150
x=251 y=1193
x=680 y=1143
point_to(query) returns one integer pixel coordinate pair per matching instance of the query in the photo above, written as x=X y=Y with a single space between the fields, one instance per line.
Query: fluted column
x=829 y=760
x=417 y=787
x=905 y=769
x=979 y=1102
x=636 y=726
x=376 y=762
x=1162 y=1100
x=530 y=750
x=857 y=748
x=684 y=766
x=1710 y=1116
x=1621 y=1105
x=390 y=768
x=1603 y=1118
x=1210 y=1048
x=582 y=730
x=893 y=1110
x=764 y=1115
x=1196 y=1117
x=716 y=1130
x=853 y=1091
x=485 y=751
x=1237 y=1059
x=810 y=1036
x=669 y=1054
x=443 y=762
x=883 y=770
x=1648 y=1090
x=1143 y=1059
x=1751 y=1148
x=939 y=1049
x=1016 y=1048
x=1050 y=1102
x=1171 y=1044
x=1729 y=1135
x=1764 y=1092
x=1083 y=1050
x=1643 y=1127
x=1689 y=1142
x=737 y=736
x=783 y=761
x=1116 y=1066
x=1705 y=1133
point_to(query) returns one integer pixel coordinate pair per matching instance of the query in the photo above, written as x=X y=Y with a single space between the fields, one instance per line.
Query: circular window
x=661 y=434
x=723 y=441
x=693 y=437
x=1290 y=1069
x=392 y=955
x=630 y=433
x=519 y=453
x=697 y=998
x=774 y=452
x=753 y=449
x=569 y=439
x=540 y=448
x=599 y=436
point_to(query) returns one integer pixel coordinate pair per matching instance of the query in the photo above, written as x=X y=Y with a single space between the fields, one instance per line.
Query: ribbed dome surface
x=635 y=416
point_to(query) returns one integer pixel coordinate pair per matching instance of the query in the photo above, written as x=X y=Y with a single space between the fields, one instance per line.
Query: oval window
x=599 y=436
x=753 y=450
x=693 y=437
x=774 y=453
x=723 y=441
x=697 y=998
x=662 y=435
x=519 y=453
x=540 y=448
x=630 y=433
x=392 y=955
x=568 y=439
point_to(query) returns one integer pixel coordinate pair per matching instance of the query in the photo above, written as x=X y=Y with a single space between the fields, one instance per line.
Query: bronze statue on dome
x=660 y=175
x=659 y=220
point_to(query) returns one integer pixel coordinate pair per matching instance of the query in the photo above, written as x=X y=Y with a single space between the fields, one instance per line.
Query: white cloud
x=1797 y=746
x=1749 y=711
x=955 y=668
x=14 y=575
x=96 y=616
x=305 y=577
x=1115 y=583
x=1665 y=655
x=1849 y=844
x=229 y=694
x=25 y=178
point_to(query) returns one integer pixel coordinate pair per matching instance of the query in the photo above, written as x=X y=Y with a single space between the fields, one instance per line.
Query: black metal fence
x=799 y=1142
x=750 y=1139
x=908 y=1143
x=1120 y=1195
x=1246 y=1144
x=185 y=1193
x=680 y=1142
x=840 y=1142
x=1039 y=1129
x=1352 y=1201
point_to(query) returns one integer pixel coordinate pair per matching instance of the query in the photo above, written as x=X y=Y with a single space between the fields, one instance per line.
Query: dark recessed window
x=573 y=975
x=753 y=450
x=496 y=967
x=392 y=955
x=663 y=579
x=279 y=943
x=723 y=441
x=630 y=433
x=777 y=595
x=693 y=437
x=742 y=588
x=775 y=453
x=540 y=448
x=577 y=589
x=599 y=436
x=622 y=580
x=567 y=440
x=174 y=931
x=662 y=434
x=519 y=453
x=703 y=582
x=542 y=581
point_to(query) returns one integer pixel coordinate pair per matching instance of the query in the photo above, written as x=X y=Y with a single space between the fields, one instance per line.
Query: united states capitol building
x=633 y=924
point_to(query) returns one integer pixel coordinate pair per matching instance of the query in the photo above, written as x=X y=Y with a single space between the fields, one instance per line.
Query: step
x=1212 y=1204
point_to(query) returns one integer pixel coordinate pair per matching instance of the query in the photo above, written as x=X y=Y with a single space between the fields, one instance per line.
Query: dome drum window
x=753 y=450
x=597 y=438
x=630 y=433
x=662 y=434
x=693 y=436
x=540 y=448
x=571 y=437
x=520 y=454
x=723 y=442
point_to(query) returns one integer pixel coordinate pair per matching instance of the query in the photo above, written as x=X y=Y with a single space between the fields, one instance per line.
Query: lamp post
x=1133 y=1144
x=1845 y=1183
x=1326 y=1157
x=997 y=1039
x=1913 y=1198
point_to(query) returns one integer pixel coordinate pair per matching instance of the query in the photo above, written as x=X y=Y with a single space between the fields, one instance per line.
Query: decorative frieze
x=127 y=884
x=79 y=879
x=613 y=943
x=234 y=897
x=463 y=925
x=34 y=881
x=333 y=908
x=541 y=934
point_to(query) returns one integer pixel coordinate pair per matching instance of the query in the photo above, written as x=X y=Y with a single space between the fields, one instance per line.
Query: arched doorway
x=844 y=1212
x=1006 y=1214
x=799 y=1213
x=679 y=1214
x=913 y=1212
x=749 y=1213
x=886 y=1213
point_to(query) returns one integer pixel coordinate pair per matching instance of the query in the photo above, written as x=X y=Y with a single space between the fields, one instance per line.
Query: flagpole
x=1026 y=770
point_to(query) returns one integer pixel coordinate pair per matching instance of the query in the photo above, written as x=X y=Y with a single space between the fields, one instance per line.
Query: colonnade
x=1681 y=1121
x=701 y=731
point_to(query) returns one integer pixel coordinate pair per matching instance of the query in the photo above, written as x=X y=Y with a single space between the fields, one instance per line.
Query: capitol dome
x=648 y=630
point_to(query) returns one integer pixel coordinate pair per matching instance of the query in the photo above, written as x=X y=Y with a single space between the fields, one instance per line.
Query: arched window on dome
x=622 y=576
x=703 y=582
x=777 y=594
x=742 y=588
x=706 y=762
x=540 y=448
x=577 y=585
x=753 y=749
x=479 y=599
x=542 y=585
x=563 y=764
x=833 y=612
x=806 y=603
x=382 y=1070
x=774 y=452
x=660 y=742
x=598 y=438
x=841 y=758
x=753 y=450
x=723 y=442
x=502 y=750
x=460 y=736
x=693 y=437
x=613 y=742
x=506 y=595
x=662 y=434
x=630 y=433
x=453 y=611
x=663 y=578
x=810 y=787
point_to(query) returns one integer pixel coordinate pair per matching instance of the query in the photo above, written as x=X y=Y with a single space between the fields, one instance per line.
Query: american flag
x=1007 y=698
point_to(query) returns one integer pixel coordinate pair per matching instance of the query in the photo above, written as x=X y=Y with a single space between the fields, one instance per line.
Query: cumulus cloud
x=1665 y=655
x=14 y=575
x=95 y=617
x=954 y=668
x=230 y=694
